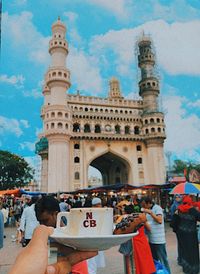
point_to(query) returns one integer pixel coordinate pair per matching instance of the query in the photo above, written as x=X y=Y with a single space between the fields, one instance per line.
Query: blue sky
x=102 y=36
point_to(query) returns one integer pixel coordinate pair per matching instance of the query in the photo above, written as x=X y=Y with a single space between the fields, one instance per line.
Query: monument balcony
x=56 y=131
x=106 y=102
x=103 y=136
x=55 y=74
x=146 y=59
x=149 y=85
x=155 y=135
x=56 y=43
x=134 y=117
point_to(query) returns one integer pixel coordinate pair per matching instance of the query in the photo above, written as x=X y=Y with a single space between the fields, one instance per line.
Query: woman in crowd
x=137 y=252
x=188 y=216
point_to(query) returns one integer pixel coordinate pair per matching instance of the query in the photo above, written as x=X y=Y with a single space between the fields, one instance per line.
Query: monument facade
x=122 y=138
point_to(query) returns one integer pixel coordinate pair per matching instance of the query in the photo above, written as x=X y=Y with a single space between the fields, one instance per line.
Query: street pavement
x=114 y=260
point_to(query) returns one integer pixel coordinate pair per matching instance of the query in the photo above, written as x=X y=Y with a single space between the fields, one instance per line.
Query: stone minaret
x=114 y=91
x=56 y=114
x=152 y=118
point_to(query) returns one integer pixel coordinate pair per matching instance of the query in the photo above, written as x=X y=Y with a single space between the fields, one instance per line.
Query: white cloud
x=35 y=93
x=11 y=126
x=121 y=43
x=25 y=123
x=183 y=129
x=27 y=145
x=24 y=37
x=15 y=80
x=84 y=71
x=177 y=46
x=72 y=28
x=195 y=104
x=38 y=131
x=177 y=10
x=34 y=161
x=119 y=8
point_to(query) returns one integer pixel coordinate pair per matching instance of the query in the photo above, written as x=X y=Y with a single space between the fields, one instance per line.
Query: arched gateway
x=122 y=138
x=113 y=168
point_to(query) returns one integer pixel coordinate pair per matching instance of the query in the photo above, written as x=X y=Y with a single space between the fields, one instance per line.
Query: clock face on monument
x=108 y=128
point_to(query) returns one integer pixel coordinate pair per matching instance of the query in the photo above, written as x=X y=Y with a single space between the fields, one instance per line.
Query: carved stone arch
x=107 y=161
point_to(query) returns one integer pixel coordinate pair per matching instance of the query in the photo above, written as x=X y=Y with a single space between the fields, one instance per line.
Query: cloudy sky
x=102 y=35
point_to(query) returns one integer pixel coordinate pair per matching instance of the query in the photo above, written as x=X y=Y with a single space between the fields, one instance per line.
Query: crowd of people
x=140 y=254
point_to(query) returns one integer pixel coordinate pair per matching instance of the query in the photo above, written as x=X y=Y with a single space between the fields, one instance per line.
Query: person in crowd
x=26 y=202
x=88 y=202
x=137 y=251
x=46 y=210
x=5 y=212
x=17 y=212
x=77 y=202
x=156 y=235
x=188 y=216
x=99 y=260
x=34 y=257
x=11 y=215
x=177 y=201
x=1 y=229
x=64 y=207
x=28 y=222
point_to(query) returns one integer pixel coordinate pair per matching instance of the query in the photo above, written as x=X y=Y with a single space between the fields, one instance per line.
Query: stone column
x=58 y=164
x=156 y=162
x=44 y=171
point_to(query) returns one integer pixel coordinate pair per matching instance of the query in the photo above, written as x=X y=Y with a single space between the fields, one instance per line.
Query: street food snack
x=130 y=223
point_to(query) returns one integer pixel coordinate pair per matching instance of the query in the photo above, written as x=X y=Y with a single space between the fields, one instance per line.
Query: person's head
x=178 y=198
x=187 y=200
x=33 y=200
x=28 y=200
x=4 y=206
x=96 y=202
x=128 y=209
x=46 y=210
x=146 y=202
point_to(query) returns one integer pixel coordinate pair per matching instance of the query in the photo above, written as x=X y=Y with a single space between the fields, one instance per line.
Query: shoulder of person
x=156 y=208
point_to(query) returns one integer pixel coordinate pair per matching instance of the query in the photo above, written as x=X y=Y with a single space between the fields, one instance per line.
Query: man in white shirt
x=5 y=212
x=157 y=233
x=28 y=221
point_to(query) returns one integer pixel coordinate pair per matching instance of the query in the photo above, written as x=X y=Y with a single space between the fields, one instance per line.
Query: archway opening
x=94 y=177
x=114 y=169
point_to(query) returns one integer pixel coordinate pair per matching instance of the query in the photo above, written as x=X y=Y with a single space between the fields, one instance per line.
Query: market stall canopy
x=32 y=193
x=120 y=187
x=10 y=192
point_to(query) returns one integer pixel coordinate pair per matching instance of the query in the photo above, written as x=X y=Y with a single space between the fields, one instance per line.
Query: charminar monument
x=122 y=138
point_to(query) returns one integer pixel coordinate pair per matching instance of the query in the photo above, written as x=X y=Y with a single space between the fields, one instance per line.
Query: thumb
x=62 y=267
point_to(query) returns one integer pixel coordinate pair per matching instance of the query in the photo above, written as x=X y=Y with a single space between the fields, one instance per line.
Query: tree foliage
x=14 y=171
x=179 y=167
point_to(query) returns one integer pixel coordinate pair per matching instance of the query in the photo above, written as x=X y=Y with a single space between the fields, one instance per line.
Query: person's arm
x=147 y=226
x=33 y=259
x=157 y=217
x=23 y=221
